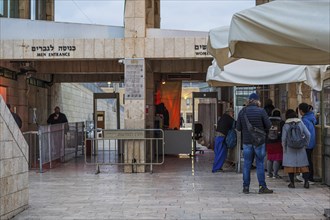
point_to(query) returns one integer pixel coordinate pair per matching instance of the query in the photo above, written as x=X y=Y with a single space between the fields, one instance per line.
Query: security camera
x=121 y=61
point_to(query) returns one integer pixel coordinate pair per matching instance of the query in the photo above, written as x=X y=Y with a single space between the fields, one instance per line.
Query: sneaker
x=270 y=175
x=300 y=178
x=277 y=176
x=246 y=190
x=311 y=182
x=216 y=171
x=306 y=185
x=264 y=190
x=291 y=185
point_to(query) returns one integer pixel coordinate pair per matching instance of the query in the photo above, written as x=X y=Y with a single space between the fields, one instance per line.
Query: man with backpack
x=256 y=118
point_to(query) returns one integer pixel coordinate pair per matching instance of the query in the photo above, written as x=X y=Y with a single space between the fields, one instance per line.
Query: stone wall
x=318 y=152
x=14 y=179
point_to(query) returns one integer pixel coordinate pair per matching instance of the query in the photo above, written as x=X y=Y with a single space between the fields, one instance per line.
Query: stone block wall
x=318 y=152
x=14 y=179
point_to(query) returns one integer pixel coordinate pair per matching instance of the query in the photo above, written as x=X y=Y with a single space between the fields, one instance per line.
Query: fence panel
x=126 y=147
x=53 y=144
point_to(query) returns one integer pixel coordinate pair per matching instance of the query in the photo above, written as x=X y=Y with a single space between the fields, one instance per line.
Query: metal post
x=151 y=157
x=49 y=146
x=40 y=152
x=63 y=142
x=76 y=138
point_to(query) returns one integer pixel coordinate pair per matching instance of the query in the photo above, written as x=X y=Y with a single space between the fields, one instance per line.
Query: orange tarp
x=170 y=93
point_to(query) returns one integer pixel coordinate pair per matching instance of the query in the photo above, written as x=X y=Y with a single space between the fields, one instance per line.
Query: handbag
x=231 y=138
x=258 y=135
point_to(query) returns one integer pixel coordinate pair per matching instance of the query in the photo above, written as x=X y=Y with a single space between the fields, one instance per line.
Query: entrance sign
x=134 y=79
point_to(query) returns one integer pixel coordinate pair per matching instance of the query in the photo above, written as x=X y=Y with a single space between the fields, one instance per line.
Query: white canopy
x=295 y=32
x=217 y=45
x=250 y=72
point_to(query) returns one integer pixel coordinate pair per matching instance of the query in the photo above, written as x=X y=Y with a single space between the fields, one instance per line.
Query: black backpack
x=296 y=138
x=274 y=133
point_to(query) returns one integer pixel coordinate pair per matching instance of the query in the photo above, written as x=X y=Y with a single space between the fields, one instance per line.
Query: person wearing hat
x=224 y=124
x=258 y=118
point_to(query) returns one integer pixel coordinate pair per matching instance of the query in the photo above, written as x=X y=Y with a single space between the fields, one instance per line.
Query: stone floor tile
x=182 y=188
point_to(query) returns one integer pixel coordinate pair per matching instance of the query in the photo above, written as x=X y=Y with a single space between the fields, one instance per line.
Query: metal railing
x=125 y=147
x=53 y=144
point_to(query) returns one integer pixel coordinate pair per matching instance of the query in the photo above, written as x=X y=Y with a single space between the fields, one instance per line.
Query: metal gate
x=111 y=147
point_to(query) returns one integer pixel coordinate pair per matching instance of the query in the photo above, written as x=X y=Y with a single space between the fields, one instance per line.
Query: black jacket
x=60 y=119
x=224 y=124
x=257 y=117
x=17 y=119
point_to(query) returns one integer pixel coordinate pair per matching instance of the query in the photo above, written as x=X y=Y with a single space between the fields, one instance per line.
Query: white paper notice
x=134 y=79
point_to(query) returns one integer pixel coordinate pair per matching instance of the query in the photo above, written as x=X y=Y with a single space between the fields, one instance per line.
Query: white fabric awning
x=294 y=32
x=217 y=45
x=250 y=72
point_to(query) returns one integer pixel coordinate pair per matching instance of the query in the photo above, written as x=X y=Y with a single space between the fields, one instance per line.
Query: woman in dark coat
x=294 y=160
x=224 y=124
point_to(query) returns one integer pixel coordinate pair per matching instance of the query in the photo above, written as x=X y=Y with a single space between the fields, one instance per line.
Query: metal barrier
x=52 y=144
x=32 y=140
x=125 y=147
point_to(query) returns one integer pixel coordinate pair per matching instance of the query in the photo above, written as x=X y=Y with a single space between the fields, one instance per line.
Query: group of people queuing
x=287 y=143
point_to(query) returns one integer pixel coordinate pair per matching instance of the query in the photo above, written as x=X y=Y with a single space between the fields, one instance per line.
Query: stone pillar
x=135 y=32
x=298 y=93
x=22 y=98
x=135 y=102
x=153 y=13
x=24 y=9
x=50 y=11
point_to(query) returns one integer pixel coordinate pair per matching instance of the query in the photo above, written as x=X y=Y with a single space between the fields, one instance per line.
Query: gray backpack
x=296 y=138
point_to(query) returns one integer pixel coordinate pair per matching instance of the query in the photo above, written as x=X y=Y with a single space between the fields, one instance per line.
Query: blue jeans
x=250 y=152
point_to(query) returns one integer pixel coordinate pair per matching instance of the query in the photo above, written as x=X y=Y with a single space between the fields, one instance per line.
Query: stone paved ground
x=182 y=188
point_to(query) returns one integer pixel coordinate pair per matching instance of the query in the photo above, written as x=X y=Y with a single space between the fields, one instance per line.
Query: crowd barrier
x=125 y=147
x=53 y=144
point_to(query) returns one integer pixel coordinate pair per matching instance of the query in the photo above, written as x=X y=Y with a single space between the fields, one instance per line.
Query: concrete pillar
x=50 y=10
x=22 y=98
x=24 y=9
x=153 y=13
x=134 y=117
x=135 y=102
x=292 y=96
x=298 y=93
